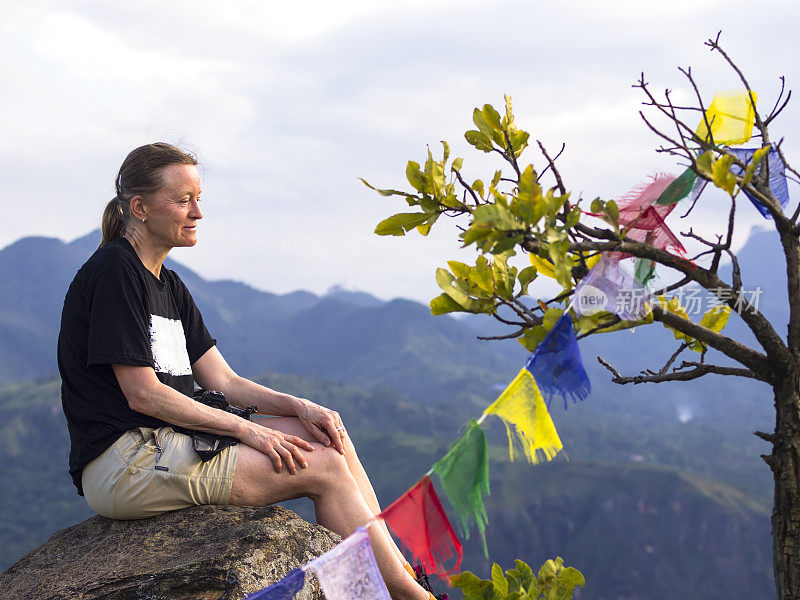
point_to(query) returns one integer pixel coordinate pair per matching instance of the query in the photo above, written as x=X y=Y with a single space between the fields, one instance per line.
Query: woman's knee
x=330 y=468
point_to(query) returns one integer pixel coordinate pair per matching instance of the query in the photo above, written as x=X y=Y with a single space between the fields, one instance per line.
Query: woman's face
x=173 y=211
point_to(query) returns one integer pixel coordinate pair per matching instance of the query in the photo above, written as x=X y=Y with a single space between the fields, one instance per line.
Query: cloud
x=288 y=104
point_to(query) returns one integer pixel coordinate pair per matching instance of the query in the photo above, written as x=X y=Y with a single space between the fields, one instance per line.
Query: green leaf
x=429 y=205
x=479 y=140
x=446 y=153
x=758 y=156
x=482 y=275
x=525 y=277
x=434 y=175
x=721 y=174
x=425 y=228
x=532 y=337
x=551 y=317
x=496 y=178
x=520 y=141
x=449 y=286
x=471 y=585
x=383 y=192
x=529 y=206
x=491 y=117
x=525 y=572
x=400 y=223
x=547 y=572
x=456 y=166
x=476 y=233
x=481 y=124
x=612 y=212
x=444 y=304
x=572 y=577
x=703 y=163
x=459 y=269
x=509 y=114
x=498 y=216
x=477 y=186
x=415 y=176
x=573 y=217
x=499 y=580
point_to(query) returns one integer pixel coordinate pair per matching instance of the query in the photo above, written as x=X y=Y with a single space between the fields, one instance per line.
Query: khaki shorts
x=148 y=471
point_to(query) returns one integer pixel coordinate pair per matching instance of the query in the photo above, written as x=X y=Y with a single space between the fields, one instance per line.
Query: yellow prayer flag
x=731 y=117
x=521 y=404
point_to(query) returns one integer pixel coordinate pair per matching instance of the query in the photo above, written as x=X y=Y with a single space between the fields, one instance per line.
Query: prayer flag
x=556 y=364
x=643 y=196
x=644 y=271
x=349 y=571
x=679 y=188
x=286 y=589
x=697 y=189
x=608 y=287
x=731 y=117
x=521 y=405
x=464 y=473
x=418 y=519
x=777 y=177
x=643 y=218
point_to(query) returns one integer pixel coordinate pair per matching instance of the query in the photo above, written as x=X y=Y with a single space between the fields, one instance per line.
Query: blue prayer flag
x=286 y=589
x=777 y=177
x=557 y=367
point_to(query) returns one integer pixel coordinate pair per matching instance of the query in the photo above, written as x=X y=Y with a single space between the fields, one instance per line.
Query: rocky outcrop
x=200 y=553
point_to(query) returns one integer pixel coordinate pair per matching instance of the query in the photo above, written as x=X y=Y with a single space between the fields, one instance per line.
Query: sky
x=287 y=105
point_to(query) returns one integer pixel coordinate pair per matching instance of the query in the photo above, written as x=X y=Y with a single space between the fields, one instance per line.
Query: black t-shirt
x=118 y=312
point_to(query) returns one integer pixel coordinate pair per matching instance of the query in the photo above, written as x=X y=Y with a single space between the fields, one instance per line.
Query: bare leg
x=338 y=501
x=293 y=426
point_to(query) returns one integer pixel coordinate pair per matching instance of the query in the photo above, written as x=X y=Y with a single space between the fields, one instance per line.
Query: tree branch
x=678 y=374
x=758 y=324
x=754 y=361
x=467 y=188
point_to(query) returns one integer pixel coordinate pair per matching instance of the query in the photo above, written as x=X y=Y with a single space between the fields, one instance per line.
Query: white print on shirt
x=168 y=345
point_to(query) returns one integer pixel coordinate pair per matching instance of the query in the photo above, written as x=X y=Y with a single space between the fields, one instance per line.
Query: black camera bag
x=208 y=445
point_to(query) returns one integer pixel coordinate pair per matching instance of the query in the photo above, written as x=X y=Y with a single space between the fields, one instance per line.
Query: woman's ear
x=138 y=208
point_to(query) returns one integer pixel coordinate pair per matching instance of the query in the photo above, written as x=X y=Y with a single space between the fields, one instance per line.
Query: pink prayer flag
x=644 y=219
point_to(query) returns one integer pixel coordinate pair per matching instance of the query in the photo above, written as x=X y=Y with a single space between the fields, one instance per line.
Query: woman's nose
x=196 y=212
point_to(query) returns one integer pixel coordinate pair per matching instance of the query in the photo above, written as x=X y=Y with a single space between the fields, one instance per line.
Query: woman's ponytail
x=113 y=223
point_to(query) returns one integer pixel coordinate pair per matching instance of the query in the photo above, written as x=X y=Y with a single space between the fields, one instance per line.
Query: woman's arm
x=147 y=395
x=212 y=372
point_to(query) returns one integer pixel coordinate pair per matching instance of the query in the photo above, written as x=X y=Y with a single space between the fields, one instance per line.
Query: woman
x=132 y=345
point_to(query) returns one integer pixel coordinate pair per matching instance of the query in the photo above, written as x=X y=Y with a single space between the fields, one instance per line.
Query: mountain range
x=673 y=468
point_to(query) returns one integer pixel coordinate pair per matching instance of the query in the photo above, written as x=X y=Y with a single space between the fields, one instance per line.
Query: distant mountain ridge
x=343 y=335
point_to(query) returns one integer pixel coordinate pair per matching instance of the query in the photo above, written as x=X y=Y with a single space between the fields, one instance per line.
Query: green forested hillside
x=636 y=529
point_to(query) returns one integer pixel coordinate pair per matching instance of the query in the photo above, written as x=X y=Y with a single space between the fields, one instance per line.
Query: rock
x=199 y=553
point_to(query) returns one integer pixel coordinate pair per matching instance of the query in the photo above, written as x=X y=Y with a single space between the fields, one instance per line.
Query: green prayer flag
x=464 y=473
x=645 y=271
x=680 y=187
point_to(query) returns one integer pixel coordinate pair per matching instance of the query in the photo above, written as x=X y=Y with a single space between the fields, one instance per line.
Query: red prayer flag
x=418 y=519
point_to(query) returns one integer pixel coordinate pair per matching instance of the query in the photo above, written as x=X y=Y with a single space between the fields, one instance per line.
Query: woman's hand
x=281 y=448
x=323 y=423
